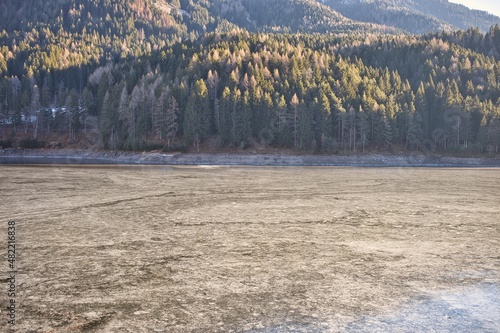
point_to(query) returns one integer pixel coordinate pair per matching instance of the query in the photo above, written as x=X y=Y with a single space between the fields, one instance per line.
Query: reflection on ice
x=471 y=309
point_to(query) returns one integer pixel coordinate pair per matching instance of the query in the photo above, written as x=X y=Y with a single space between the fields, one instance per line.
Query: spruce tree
x=171 y=123
x=197 y=115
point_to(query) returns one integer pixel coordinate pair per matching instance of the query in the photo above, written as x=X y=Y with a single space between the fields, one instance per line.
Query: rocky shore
x=84 y=157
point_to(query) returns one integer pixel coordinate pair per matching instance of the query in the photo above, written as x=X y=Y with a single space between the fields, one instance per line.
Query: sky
x=492 y=6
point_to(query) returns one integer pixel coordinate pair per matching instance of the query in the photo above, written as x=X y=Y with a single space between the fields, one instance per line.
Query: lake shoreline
x=87 y=157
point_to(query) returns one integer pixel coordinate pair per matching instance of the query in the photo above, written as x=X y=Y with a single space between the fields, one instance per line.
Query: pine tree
x=452 y=113
x=351 y=123
x=266 y=134
x=197 y=115
x=282 y=121
x=495 y=128
x=388 y=132
x=422 y=108
x=15 y=103
x=73 y=114
x=484 y=133
x=324 y=115
x=305 y=130
x=256 y=109
x=87 y=104
x=213 y=91
x=246 y=120
x=35 y=109
x=132 y=110
x=192 y=123
x=145 y=113
x=339 y=117
x=415 y=129
x=171 y=121
x=159 y=115
x=236 y=116
x=108 y=123
x=225 y=117
x=467 y=119
x=363 y=127
x=294 y=103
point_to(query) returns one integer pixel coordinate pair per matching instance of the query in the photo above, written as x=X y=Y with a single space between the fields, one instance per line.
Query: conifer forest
x=149 y=75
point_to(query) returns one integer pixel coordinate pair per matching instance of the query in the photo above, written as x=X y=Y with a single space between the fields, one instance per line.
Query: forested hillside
x=144 y=74
x=41 y=35
x=417 y=17
x=44 y=35
x=315 y=93
x=291 y=16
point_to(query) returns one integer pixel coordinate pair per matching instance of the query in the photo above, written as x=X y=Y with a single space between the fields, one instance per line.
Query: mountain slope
x=43 y=35
x=414 y=16
x=457 y=15
x=39 y=35
x=316 y=93
x=290 y=16
x=60 y=34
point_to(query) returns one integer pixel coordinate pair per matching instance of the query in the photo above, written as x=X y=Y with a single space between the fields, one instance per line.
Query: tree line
x=314 y=93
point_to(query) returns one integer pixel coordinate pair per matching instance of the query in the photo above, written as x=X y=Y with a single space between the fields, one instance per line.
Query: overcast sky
x=492 y=6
